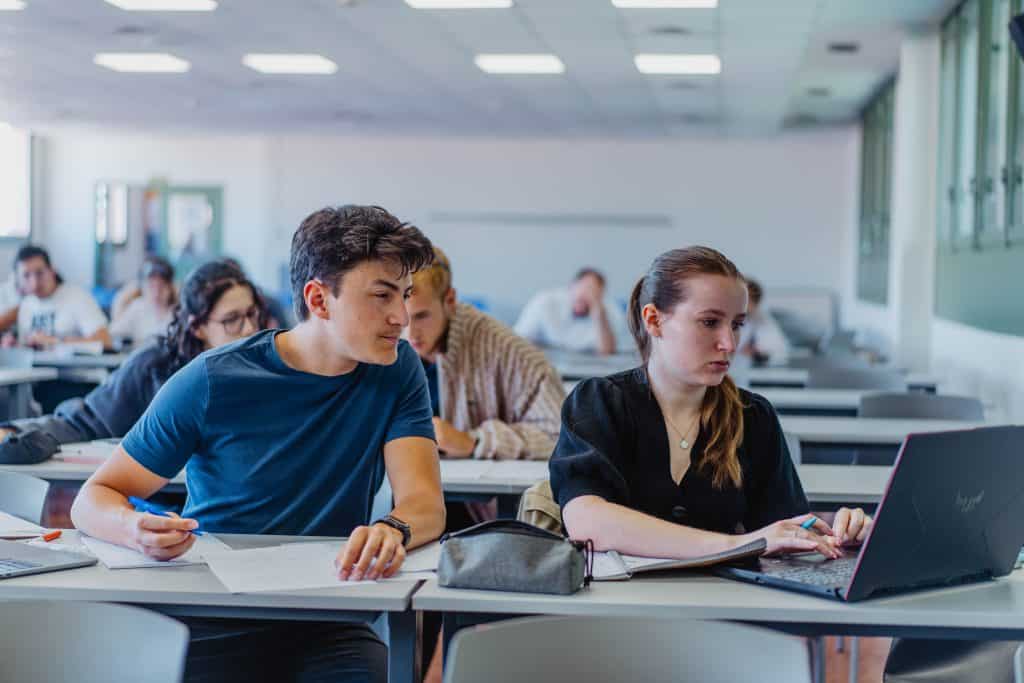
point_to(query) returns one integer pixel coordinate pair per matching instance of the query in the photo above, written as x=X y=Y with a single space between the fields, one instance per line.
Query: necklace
x=683 y=443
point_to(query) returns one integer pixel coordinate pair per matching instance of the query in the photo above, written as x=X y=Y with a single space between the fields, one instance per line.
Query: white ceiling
x=411 y=71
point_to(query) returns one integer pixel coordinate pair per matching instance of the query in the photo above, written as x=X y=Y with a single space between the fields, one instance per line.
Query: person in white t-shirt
x=577 y=318
x=148 y=315
x=761 y=337
x=10 y=297
x=52 y=311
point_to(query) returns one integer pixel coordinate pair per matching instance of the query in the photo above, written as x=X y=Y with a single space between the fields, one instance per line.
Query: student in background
x=218 y=305
x=292 y=432
x=577 y=318
x=493 y=394
x=52 y=311
x=761 y=338
x=671 y=459
x=10 y=297
x=148 y=315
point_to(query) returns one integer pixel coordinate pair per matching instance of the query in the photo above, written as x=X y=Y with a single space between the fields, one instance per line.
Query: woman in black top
x=671 y=459
x=218 y=305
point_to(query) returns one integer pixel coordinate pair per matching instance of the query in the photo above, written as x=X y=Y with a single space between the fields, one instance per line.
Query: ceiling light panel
x=520 y=64
x=290 y=64
x=11 y=5
x=141 y=62
x=459 y=4
x=665 y=4
x=677 y=64
x=165 y=5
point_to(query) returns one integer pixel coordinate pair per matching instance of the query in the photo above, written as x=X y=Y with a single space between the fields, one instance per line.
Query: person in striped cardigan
x=494 y=395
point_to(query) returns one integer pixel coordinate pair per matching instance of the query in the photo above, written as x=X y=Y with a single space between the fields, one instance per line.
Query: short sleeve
x=170 y=430
x=590 y=454
x=774 y=491
x=88 y=314
x=413 y=415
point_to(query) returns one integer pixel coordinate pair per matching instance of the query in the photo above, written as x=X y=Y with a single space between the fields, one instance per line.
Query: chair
x=855 y=378
x=914 y=660
x=86 y=642
x=23 y=496
x=918 y=405
x=556 y=649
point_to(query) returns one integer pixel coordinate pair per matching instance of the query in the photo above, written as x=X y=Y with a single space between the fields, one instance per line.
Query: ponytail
x=636 y=321
x=724 y=410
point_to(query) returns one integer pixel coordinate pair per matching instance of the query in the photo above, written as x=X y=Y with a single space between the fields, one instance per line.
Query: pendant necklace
x=683 y=443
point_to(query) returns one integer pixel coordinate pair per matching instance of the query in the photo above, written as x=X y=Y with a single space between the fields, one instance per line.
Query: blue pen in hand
x=141 y=505
x=808 y=523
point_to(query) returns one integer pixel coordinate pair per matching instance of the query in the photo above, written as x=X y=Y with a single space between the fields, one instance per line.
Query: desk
x=195 y=591
x=572 y=365
x=822 y=402
x=797 y=377
x=107 y=361
x=18 y=382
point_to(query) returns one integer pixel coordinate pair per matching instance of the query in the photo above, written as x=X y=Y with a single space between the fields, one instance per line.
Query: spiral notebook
x=613 y=566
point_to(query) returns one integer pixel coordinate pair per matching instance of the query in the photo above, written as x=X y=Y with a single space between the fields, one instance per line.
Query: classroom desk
x=874 y=439
x=572 y=365
x=18 y=383
x=821 y=402
x=106 y=361
x=195 y=591
x=781 y=376
x=992 y=610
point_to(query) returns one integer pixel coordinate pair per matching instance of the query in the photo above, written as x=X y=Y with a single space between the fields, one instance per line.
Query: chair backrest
x=855 y=378
x=918 y=405
x=557 y=649
x=88 y=642
x=915 y=660
x=793 y=443
x=23 y=496
x=15 y=358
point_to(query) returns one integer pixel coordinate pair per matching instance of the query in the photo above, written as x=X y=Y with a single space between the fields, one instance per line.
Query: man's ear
x=315 y=296
x=449 y=301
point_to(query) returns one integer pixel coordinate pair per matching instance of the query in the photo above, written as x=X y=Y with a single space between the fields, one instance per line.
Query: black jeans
x=306 y=652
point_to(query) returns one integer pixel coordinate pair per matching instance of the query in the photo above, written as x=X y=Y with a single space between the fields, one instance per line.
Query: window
x=875 y=197
x=15 y=182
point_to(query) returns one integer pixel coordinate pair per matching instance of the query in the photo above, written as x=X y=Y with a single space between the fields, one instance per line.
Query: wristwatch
x=396 y=523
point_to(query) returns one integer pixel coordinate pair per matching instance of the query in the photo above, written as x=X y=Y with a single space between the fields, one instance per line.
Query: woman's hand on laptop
x=789 y=536
x=162 y=538
x=851 y=527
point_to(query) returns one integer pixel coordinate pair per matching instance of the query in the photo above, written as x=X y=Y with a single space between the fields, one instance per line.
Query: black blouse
x=613 y=444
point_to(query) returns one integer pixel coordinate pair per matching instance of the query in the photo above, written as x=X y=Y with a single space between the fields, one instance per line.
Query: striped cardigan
x=499 y=388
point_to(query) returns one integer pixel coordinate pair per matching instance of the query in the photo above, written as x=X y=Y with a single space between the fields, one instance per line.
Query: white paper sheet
x=87 y=451
x=12 y=527
x=118 y=557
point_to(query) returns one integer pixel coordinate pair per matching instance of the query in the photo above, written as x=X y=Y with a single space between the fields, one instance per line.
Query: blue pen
x=141 y=505
x=809 y=523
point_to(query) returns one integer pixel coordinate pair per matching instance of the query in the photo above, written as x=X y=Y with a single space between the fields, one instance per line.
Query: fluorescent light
x=165 y=5
x=459 y=4
x=141 y=62
x=665 y=4
x=678 y=64
x=520 y=64
x=290 y=64
x=12 y=5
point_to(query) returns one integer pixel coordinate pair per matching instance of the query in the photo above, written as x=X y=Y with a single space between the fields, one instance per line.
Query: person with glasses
x=218 y=305
x=292 y=432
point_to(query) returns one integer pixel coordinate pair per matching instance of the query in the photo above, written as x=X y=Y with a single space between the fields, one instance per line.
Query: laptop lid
x=953 y=512
x=19 y=559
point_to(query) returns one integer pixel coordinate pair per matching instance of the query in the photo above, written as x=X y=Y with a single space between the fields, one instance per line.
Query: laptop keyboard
x=7 y=566
x=833 y=573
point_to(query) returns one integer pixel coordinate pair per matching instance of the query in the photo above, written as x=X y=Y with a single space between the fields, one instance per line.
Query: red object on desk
x=51 y=535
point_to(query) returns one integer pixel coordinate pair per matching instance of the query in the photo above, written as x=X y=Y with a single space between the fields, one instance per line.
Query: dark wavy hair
x=200 y=292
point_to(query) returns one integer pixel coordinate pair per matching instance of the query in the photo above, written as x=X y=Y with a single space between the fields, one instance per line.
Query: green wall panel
x=981 y=288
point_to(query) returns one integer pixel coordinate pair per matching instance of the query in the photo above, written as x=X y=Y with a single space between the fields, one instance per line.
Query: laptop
x=19 y=559
x=953 y=513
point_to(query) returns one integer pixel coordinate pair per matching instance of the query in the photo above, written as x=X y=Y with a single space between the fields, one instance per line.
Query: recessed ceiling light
x=844 y=47
x=520 y=64
x=665 y=4
x=459 y=4
x=678 y=64
x=290 y=63
x=11 y=5
x=165 y=5
x=819 y=91
x=141 y=62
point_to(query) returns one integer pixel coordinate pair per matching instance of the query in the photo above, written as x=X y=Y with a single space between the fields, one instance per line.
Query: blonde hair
x=437 y=274
x=664 y=285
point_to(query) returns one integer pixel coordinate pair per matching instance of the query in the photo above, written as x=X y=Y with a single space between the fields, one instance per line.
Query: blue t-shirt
x=272 y=450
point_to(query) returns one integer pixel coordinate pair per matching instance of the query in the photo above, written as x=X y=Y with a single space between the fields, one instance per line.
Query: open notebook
x=613 y=566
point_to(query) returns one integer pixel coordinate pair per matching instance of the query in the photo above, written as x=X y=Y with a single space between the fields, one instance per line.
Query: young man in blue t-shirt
x=292 y=432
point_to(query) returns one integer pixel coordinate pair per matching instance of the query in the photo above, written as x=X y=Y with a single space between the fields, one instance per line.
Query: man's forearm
x=425 y=518
x=102 y=512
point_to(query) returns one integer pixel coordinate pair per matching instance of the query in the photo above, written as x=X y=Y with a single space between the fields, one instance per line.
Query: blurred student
x=52 y=311
x=218 y=305
x=148 y=315
x=493 y=394
x=292 y=432
x=761 y=339
x=575 y=318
